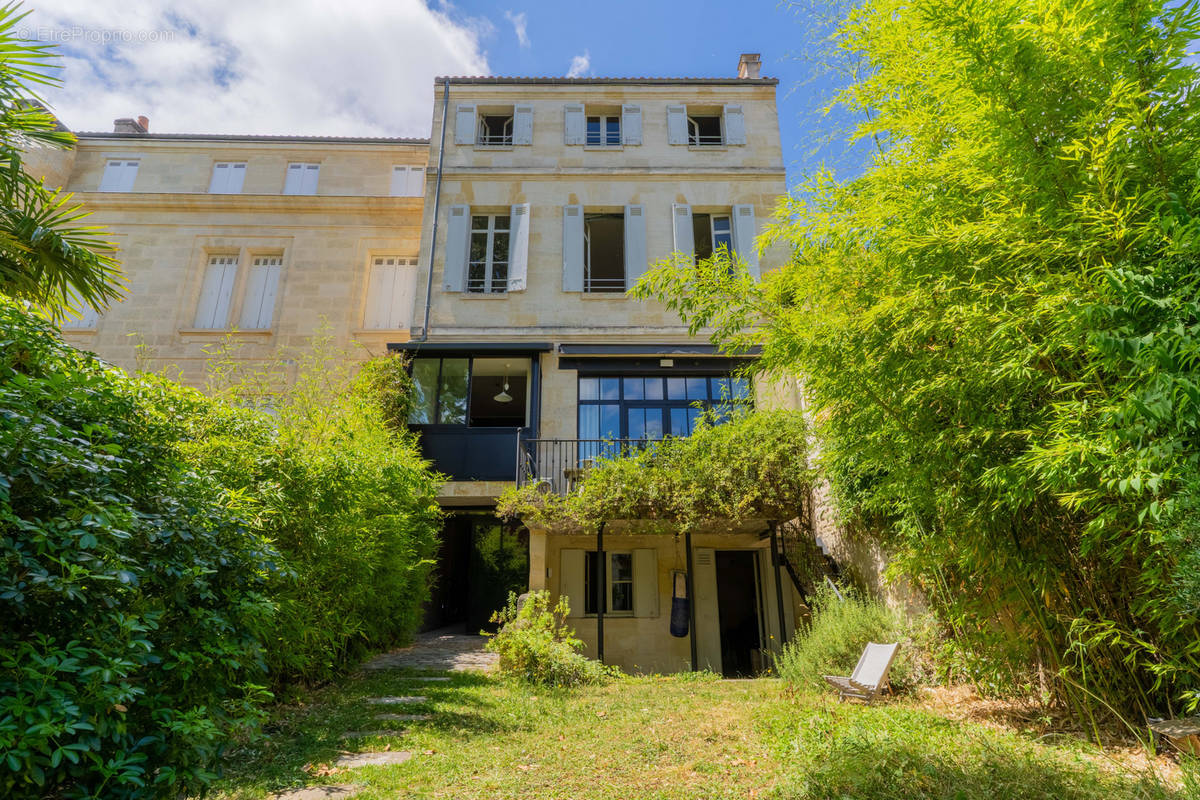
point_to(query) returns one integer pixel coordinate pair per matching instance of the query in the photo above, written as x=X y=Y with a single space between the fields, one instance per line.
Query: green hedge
x=133 y=601
x=164 y=556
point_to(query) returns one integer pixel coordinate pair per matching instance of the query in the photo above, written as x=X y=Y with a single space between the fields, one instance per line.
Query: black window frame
x=626 y=404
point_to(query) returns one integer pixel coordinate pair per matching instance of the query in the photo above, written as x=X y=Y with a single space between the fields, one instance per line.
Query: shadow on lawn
x=310 y=732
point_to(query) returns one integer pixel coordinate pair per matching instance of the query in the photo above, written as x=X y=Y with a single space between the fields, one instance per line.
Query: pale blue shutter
x=518 y=247
x=635 y=244
x=744 y=231
x=572 y=248
x=523 y=125
x=677 y=125
x=631 y=124
x=464 y=123
x=735 y=125
x=645 y=583
x=458 y=234
x=681 y=225
x=573 y=123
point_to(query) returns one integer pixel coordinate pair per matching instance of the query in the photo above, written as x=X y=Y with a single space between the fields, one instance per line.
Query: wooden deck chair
x=870 y=677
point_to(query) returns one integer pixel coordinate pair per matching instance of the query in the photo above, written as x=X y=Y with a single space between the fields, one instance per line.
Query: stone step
x=354 y=760
x=366 y=734
x=403 y=717
x=317 y=793
x=390 y=701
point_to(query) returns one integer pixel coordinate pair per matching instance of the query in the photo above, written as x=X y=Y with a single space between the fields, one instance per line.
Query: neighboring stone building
x=268 y=236
x=504 y=276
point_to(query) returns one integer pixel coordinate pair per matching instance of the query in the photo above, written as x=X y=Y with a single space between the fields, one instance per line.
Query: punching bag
x=680 y=611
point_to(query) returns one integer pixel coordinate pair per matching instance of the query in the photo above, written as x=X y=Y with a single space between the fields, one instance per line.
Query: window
x=389 y=293
x=212 y=311
x=604 y=131
x=87 y=319
x=118 y=175
x=408 y=181
x=262 y=285
x=301 y=179
x=653 y=406
x=710 y=232
x=227 y=177
x=617 y=580
x=474 y=392
x=487 y=269
x=604 y=253
x=495 y=130
x=704 y=130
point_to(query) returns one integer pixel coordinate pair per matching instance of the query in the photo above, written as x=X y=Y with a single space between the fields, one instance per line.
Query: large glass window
x=478 y=392
x=653 y=406
x=488 y=269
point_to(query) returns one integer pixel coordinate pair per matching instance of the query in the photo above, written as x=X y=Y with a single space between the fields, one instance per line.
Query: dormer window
x=495 y=130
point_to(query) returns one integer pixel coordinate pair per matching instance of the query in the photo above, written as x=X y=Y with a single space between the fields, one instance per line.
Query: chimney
x=130 y=125
x=749 y=64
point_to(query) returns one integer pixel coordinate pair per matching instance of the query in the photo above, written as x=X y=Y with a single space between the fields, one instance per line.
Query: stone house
x=497 y=254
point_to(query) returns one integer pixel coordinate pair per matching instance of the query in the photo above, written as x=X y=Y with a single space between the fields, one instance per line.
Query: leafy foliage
x=996 y=323
x=46 y=257
x=751 y=466
x=536 y=645
x=133 y=600
x=335 y=481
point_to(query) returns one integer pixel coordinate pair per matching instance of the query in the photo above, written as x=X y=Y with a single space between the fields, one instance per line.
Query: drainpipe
x=437 y=204
x=601 y=588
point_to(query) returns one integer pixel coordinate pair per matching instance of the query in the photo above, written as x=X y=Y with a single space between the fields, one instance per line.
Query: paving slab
x=403 y=717
x=445 y=650
x=353 y=760
x=391 y=701
x=317 y=793
x=366 y=734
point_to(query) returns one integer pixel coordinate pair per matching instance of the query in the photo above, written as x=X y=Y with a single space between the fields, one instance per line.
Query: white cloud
x=580 y=65
x=520 y=25
x=270 y=66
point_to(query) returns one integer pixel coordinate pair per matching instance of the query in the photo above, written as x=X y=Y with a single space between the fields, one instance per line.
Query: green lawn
x=664 y=738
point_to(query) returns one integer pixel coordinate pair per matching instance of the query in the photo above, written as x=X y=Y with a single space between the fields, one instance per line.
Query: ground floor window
x=617 y=597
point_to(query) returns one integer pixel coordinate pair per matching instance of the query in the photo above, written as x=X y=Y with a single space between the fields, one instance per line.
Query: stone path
x=436 y=651
x=445 y=650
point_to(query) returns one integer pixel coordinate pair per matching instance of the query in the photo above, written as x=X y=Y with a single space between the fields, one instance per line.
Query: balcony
x=560 y=464
x=470 y=454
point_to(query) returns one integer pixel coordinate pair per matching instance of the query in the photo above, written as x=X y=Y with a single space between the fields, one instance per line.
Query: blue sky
x=367 y=68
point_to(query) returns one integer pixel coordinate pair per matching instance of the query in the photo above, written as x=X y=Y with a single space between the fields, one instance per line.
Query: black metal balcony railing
x=562 y=463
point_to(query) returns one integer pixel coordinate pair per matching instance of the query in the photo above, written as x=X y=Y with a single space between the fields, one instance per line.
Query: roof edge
x=467 y=80
x=220 y=137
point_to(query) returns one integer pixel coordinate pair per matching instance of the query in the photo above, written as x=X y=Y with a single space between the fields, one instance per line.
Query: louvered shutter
x=416 y=181
x=570 y=580
x=677 y=125
x=572 y=248
x=681 y=223
x=518 y=247
x=458 y=233
x=645 y=583
x=399 y=181
x=220 y=179
x=631 y=124
x=464 y=123
x=523 y=125
x=735 y=125
x=573 y=123
x=380 y=286
x=262 y=285
x=744 y=231
x=635 y=244
x=212 y=311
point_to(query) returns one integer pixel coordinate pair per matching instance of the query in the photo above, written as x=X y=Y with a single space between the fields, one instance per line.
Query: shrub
x=132 y=599
x=536 y=645
x=342 y=494
x=837 y=634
